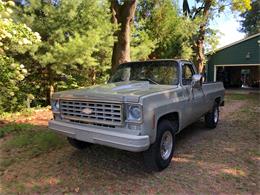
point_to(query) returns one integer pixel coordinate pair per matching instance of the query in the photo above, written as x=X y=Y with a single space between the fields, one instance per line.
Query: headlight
x=134 y=113
x=55 y=106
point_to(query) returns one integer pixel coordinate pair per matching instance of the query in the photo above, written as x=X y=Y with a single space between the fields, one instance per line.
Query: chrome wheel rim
x=166 y=145
x=216 y=114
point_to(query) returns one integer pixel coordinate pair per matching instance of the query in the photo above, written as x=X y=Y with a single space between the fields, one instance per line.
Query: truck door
x=195 y=101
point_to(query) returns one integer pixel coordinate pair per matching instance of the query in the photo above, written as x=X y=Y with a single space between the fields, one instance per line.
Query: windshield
x=160 y=73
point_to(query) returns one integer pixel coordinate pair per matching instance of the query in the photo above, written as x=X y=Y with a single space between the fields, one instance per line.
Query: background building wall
x=245 y=52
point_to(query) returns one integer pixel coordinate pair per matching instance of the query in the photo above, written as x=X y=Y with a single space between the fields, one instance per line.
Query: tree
x=171 y=32
x=207 y=9
x=251 y=19
x=15 y=38
x=122 y=15
x=142 y=44
x=76 y=46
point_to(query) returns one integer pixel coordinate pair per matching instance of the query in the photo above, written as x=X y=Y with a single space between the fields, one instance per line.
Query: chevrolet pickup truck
x=141 y=109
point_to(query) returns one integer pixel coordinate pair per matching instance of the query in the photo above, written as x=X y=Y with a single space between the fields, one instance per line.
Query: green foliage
x=15 y=38
x=73 y=44
x=14 y=128
x=241 y=5
x=235 y=96
x=171 y=32
x=251 y=19
x=215 y=8
x=37 y=141
x=212 y=38
x=76 y=43
x=75 y=50
x=142 y=44
x=27 y=141
x=203 y=11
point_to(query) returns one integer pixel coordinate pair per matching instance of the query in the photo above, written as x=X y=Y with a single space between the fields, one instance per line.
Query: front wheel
x=212 y=118
x=159 y=155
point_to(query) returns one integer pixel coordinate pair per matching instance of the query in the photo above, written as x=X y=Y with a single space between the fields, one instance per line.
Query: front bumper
x=94 y=135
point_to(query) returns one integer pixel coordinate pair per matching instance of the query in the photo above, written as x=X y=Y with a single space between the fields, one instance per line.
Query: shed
x=237 y=64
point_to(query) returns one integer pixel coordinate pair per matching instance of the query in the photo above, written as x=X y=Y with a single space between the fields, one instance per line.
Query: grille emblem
x=87 y=111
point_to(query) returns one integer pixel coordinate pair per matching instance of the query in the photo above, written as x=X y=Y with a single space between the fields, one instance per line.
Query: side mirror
x=196 y=81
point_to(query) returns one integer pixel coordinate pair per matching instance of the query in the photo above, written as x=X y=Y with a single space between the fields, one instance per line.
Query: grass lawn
x=224 y=160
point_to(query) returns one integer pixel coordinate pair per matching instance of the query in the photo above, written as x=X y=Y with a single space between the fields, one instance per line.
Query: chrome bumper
x=94 y=135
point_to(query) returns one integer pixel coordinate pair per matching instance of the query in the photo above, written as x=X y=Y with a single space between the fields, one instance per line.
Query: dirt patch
x=231 y=107
x=223 y=160
x=39 y=117
x=3 y=122
x=35 y=117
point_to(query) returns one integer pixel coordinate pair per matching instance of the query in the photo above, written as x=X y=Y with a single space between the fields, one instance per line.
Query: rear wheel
x=212 y=118
x=159 y=155
x=78 y=144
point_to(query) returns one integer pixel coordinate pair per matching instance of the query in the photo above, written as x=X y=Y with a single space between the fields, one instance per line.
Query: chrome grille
x=101 y=113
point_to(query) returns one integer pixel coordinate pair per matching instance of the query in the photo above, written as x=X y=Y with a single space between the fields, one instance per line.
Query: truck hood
x=129 y=91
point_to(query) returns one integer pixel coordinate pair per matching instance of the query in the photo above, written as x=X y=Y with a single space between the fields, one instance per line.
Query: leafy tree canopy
x=171 y=32
x=207 y=10
x=15 y=38
x=251 y=19
x=76 y=42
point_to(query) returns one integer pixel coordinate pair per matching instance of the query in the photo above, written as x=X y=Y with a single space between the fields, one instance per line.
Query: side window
x=187 y=72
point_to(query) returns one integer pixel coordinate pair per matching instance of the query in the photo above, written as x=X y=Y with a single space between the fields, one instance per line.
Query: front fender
x=155 y=114
x=156 y=106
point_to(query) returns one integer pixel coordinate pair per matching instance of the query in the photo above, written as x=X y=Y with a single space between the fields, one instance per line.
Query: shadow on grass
x=25 y=141
x=21 y=142
x=123 y=163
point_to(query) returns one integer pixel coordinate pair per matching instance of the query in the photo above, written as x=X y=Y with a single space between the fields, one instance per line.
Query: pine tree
x=171 y=32
x=76 y=43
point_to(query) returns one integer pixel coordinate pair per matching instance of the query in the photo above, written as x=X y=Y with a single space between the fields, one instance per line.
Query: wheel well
x=218 y=100
x=173 y=116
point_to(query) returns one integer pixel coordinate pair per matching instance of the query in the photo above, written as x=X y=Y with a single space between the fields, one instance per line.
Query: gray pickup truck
x=141 y=109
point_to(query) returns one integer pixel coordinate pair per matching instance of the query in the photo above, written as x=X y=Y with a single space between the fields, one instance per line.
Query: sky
x=228 y=25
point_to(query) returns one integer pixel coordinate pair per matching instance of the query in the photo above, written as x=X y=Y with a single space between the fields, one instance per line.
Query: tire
x=78 y=144
x=212 y=118
x=157 y=157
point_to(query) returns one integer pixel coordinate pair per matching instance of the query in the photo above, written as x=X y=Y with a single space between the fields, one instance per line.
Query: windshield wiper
x=152 y=81
x=148 y=79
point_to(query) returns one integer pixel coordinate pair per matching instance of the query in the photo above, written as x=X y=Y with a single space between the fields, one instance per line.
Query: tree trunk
x=93 y=74
x=199 y=44
x=50 y=89
x=122 y=15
